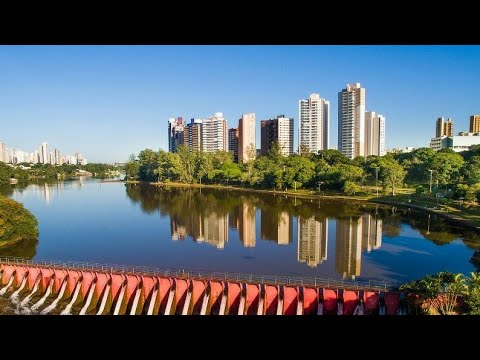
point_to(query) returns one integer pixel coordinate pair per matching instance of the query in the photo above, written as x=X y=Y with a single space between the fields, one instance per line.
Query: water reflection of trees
x=178 y=200
x=26 y=249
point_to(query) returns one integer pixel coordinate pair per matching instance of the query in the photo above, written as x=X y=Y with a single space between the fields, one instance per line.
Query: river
x=229 y=231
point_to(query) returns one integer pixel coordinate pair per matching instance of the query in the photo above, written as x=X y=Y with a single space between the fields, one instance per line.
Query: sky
x=110 y=101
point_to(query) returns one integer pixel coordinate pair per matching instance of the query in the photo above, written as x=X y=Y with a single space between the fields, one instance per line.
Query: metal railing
x=207 y=275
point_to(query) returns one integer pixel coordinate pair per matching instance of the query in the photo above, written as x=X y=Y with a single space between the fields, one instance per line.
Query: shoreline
x=455 y=219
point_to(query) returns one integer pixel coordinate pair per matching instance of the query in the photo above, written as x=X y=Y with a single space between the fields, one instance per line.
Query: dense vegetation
x=455 y=174
x=444 y=294
x=18 y=229
x=47 y=171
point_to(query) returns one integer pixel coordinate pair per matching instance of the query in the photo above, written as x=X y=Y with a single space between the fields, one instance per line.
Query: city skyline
x=43 y=154
x=108 y=94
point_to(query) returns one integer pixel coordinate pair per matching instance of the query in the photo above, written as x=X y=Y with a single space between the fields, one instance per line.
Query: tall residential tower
x=246 y=137
x=279 y=129
x=176 y=132
x=444 y=127
x=475 y=123
x=314 y=120
x=374 y=134
x=351 y=121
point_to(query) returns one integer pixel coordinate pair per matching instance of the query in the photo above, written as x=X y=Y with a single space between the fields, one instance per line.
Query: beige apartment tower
x=444 y=127
x=475 y=123
x=313 y=123
x=351 y=121
x=374 y=134
x=246 y=137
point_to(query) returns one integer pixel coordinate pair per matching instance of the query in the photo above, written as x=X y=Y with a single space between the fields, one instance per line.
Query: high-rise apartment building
x=475 y=123
x=193 y=135
x=43 y=153
x=351 y=121
x=176 y=132
x=246 y=137
x=279 y=129
x=214 y=133
x=444 y=127
x=233 y=143
x=51 y=158
x=374 y=134
x=57 y=157
x=3 y=152
x=314 y=122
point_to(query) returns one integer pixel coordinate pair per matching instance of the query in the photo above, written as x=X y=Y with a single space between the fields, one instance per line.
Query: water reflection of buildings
x=242 y=218
x=312 y=241
x=276 y=227
x=352 y=236
x=208 y=228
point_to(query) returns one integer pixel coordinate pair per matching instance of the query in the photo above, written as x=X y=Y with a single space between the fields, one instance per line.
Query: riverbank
x=452 y=214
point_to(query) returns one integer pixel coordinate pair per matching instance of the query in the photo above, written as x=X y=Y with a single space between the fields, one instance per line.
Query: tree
x=251 y=152
x=333 y=157
x=417 y=163
x=132 y=167
x=350 y=188
x=186 y=164
x=471 y=170
x=447 y=167
x=275 y=151
x=18 y=228
x=303 y=150
x=204 y=165
x=299 y=170
x=391 y=174
x=148 y=165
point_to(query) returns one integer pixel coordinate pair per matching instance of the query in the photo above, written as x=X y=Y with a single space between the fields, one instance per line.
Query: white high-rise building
x=214 y=133
x=374 y=134
x=3 y=152
x=51 y=158
x=246 y=137
x=57 y=157
x=314 y=122
x=351 y=121
x=43 y=153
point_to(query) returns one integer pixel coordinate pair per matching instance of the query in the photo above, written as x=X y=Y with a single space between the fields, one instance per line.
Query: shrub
x=419 y=189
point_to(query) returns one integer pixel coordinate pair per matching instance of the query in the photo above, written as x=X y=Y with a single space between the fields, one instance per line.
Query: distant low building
x=398 y=150
x=462 y=142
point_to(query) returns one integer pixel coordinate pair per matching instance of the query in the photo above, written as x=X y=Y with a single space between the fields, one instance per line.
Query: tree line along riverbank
x=443 y=182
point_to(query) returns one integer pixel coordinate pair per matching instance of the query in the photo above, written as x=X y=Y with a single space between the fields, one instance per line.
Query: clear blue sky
x=110 y=101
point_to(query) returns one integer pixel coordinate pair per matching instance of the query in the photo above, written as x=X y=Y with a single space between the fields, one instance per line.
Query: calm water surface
x=87 y=220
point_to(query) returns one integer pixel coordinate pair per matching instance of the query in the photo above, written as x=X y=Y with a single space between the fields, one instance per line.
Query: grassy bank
x=454 y=211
